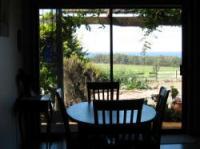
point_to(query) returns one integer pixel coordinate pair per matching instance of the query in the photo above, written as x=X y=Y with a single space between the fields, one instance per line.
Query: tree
x=146 y=46
x=48 y=51
x=156 y=68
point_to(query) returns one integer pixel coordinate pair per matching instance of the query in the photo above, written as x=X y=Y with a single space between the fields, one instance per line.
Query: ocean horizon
x=175 y=54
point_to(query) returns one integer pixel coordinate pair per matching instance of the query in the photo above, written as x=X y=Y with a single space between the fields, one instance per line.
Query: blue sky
x=129 y=39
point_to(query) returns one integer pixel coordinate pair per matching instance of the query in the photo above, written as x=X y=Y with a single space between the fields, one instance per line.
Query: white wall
x=10 y=61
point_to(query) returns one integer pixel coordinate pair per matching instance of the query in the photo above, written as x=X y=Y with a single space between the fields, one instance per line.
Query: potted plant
x=177 y=103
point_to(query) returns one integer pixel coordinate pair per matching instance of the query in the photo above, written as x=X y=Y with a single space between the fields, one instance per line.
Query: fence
x=164 y=75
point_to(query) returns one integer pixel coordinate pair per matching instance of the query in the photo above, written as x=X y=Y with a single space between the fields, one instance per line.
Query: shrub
x=131 y=81
x=47 y=79
x=174 y=92
x=76 y=73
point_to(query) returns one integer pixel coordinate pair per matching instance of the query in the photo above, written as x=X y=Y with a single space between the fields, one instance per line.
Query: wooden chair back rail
x=125 y=109
x=118 y=118
x=103 y=94
x=103 y=90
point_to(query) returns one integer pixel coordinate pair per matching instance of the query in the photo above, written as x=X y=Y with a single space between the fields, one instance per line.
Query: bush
x=131 y=81
x=76 y=73
x=174 y=92
x=47 y=79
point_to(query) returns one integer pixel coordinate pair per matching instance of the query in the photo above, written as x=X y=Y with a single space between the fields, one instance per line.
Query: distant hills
x=175 y=54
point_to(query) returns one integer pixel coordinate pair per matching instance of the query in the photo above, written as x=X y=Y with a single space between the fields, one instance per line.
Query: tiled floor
x=181 y=146
x=178 y=139
x=168 y=142
x=180 y=142
x=163 y=146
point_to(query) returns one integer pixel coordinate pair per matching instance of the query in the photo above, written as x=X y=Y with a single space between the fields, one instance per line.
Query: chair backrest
x=63 y=112
x=29 y=112
x=103 y=90
x=162 y=100
x=23 y=81
x=160 y=111
x=120 y=113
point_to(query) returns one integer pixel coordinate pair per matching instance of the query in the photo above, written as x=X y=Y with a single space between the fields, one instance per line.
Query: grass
x=141 y=70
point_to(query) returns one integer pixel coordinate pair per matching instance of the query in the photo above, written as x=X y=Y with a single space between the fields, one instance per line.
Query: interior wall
x=10 y=61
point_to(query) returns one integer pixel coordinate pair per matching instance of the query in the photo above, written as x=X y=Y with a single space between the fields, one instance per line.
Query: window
x=112 y=44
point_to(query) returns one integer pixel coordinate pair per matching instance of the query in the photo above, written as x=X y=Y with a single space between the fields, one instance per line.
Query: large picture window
x=140 y=48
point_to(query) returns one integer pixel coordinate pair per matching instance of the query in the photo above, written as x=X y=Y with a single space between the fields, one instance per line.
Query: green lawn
x=140 y=70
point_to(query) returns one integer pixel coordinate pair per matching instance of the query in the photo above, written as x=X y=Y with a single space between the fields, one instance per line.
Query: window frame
x=62 y=4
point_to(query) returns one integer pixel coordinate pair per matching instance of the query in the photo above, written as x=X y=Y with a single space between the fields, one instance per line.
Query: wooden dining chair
x=29 y=117
x=155 y=133
x=63 y=113
x=24 y=84
x=160 y=113
x=103 y=91
x=71 y=136
x=119 y=121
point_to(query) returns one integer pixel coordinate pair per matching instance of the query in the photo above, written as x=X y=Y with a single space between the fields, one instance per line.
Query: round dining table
x=82 y=113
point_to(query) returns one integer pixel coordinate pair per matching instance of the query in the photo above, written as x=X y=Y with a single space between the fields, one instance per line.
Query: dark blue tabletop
x=83 y=113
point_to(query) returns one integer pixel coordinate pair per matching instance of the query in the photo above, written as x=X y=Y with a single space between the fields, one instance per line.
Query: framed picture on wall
x=4 y=18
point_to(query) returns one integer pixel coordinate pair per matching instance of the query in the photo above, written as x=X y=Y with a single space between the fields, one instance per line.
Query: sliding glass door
x=126 y=45
x=147 y=54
